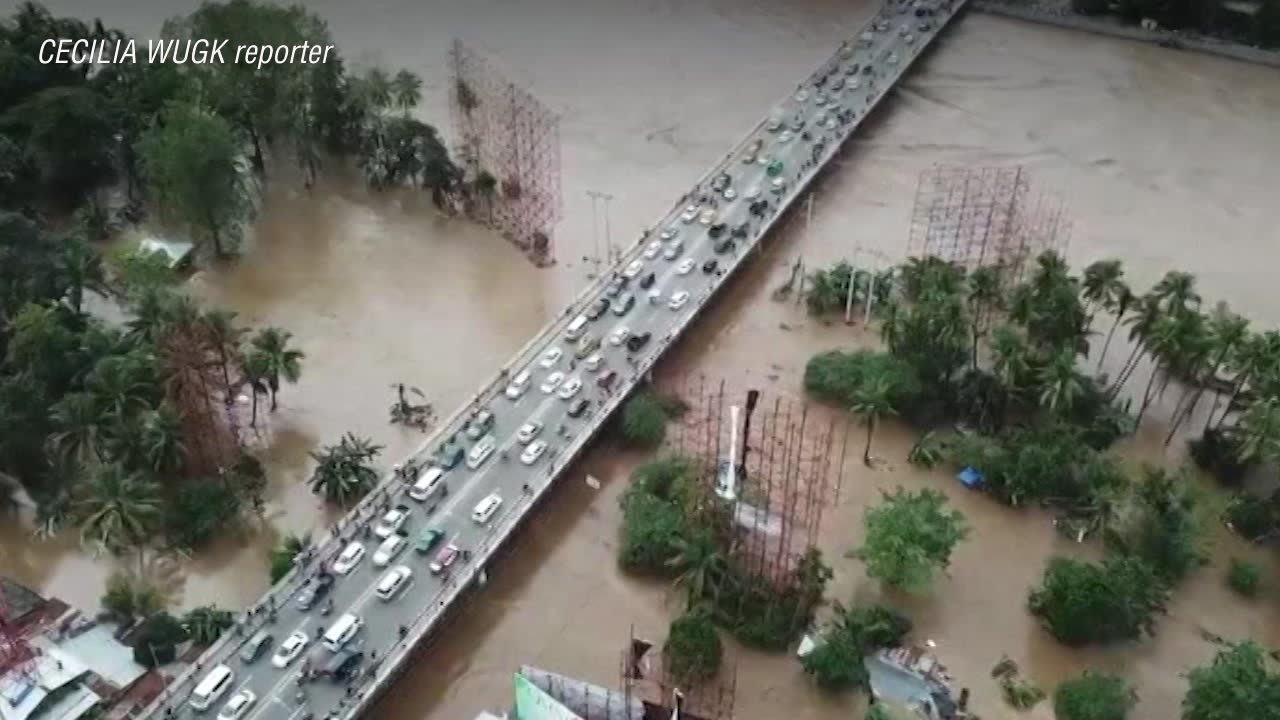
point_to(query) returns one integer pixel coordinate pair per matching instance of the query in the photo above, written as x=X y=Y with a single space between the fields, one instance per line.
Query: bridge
x=513 y=441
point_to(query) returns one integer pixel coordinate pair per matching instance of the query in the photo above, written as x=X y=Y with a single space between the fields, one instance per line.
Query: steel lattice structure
x=985 y=216
x=503 y=130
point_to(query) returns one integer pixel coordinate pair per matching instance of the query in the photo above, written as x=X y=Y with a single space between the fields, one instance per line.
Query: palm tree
x=1102 y=280
x=701 y=566
x=222 y=333
x=256 y=371
x=81 y=269
x=1256 y=357
x=119 y=509
x=377 y=89
x=280 y=361
x=1141 y=327
x=1060 y=384
x=872 y=401
x=120 y=384
x=1226 y=331
x=1258 y=432
x=150 y=312
x=1176 y=290
x=206 y=624
x=79 y=422
x=984 y=296
x=344 y=472
x=1121 y=301
x=406 y=90
x=161 y=439
x=1009 y=361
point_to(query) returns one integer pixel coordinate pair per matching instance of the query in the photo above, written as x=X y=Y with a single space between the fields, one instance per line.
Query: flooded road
x=1163 y=158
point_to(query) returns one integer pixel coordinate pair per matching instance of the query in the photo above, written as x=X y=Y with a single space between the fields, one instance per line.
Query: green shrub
x=1092 y=696
x=1081 y=603
x=874 y=626
x=644 y=421
x=836 y=664
x=692 y=651
x=156 y=639
x=1253 y=518
x=1244 y=577
x=651 y=528
x=201 y=511
x=1215 y=453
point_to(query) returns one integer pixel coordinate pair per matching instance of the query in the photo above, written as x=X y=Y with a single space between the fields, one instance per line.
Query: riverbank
x=1058 y=13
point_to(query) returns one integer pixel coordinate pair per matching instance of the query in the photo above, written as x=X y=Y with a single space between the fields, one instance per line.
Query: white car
x=893 y=58
x=633 y=269
x=670 y=233
x=347 y=561
x=594 y=362
x=673 y=250
x=652 y=250
x=830 y=124
x=551 y=357
x=238 y=706
x=290 y=649
x=619 y=336
x=686 y=266
x=389 y=549
x=778 y=186
x=689 y=215
x=774 y=124
x=528 y=432
x=786 y=136
x=802 y=95
x=533 y=452
x=552 y=382
x=708 y=216
x=392 y=521
x=730 y=193
x=570 y=388
x=678 y=300
x=752 y=193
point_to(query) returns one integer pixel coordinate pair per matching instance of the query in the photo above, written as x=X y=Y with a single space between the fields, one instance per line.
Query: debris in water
x=592 y=482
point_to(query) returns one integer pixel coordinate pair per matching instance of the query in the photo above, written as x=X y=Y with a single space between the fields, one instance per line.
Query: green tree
x=692 y=651
x=189 y=166
x=344 y=472
x=1257 y=434
x=81 y=268
x=701 y=565
x=1237 y=685
x=1244 y=577
x=871 y=402
x=406 y=90
x=985 y=295
x=644 y=421
x=1061 y=385
x=205 y=624
x=1093 y=696
x=68 y=140
x=909 y=536
x=1081 y=603
x=163 y=449
x=281 y=557
x=155 y=641
x=1227 y=331
x=281 y=361
x=224 y=336
x=836 y=665
x=257 y=370
x=119 y=510
x=79 y=424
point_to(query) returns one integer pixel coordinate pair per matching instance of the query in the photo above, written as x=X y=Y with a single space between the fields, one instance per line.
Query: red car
x=446 y=557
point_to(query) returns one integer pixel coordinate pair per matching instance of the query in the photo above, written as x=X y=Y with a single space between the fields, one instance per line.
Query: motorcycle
x=326 y=609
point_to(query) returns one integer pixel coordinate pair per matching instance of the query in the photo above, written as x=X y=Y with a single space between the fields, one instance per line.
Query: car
x=619 y=335
x=670 y=232
x=717 y=230
x=443 y=559
x=606 y=380
x=647 y=281
x=528 y=432
x=729 y=193
x=623 y=304
x=741 y=231
x=678 y=300
x=258 y=644
x=854 y=84
x=587 y=346
x=389 y=549
x=778 y=186
x=633 y=269
x=802 y=95
x=615 y=286
x=579 y=407
x=820 y=117
x=893 y=59
x=710 y=266
x=774 y=124
x=552 y=382
x=786 y=136
x=830 y=124
x=708 y=216
x=652 y=250
x=838 y=84
x=594 y=363
x=533 y=452
x=349 y=558
x=721 y=181
x=479 y=424
x=673 y=250
x=484 y=510
x=392 y=582
x=392 y=521
x=925 y=26
x=635 y=342
x=315 y=590
x=908 y=38
x=238 y=705
x=686 y=266
x=551 y=357
x=342 y=666
x=598 y=308
x=723 y=246
x=290 y=649
x=820 y=99
x=689 y=215
x=428 y=539
x=570 y=388
x=797 y=125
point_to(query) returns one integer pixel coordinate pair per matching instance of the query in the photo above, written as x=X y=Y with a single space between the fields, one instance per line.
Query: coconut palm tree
x=1255 y=358
x=406 y=90
x=1060 y=384
x=984 y=297
x=79 y=421
x=281 y=361
x=1009 y=354
x=81 y=269
x=160 y=435
x=222 y=333
x=701 y=566
x=1177 y=343
x=344 y=472
x=1141 y=325
x=119 y=509
x=206 y=624
x=1177 y=291
x=121 y=384
x=256 y=372
x=377 y=89
x=1119 y=304
x=872 y=401
x=1257 y=434
x=150 y=314
x=1226 y=331
x=1100 y=283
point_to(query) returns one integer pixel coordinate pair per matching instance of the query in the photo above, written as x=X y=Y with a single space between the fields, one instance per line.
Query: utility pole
x=608 y=241
x=853 y=280
x=595 y=232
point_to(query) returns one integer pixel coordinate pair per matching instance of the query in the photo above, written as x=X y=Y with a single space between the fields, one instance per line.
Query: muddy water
x=1163 y=158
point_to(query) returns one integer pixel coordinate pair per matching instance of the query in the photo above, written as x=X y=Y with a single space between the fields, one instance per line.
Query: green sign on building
x=533 y=703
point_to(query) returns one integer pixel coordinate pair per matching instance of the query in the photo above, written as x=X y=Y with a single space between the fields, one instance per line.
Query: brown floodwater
x=1163 y=157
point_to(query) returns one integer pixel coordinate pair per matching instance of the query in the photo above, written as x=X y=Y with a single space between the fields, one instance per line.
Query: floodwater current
x=1164 y=159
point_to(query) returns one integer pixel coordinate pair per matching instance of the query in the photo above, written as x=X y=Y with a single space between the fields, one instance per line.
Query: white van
x=393 y=582
x=576 y=328
x=427 y=484
x=212 y=688
x=481 y=451
x=519 y=385
x=485 y=509
x=341 y=632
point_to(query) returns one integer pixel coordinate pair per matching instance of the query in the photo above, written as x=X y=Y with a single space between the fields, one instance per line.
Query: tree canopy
x=910 y=536
x=1085 y=603
x=1236 y=685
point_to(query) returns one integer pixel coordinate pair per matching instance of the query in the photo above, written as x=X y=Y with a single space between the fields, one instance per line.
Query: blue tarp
x=970 y=478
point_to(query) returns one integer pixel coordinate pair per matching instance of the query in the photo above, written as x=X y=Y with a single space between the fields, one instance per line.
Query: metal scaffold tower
x=508 y=143
x=987 y=216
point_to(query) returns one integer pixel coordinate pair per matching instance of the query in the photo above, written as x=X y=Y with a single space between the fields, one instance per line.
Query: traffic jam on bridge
x=320 y=648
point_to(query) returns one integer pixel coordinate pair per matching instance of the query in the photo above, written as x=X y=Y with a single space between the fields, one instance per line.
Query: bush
x=280 y=559
x=1081 y=603
x=665 y=478
x=650 y=530
x=1217 y=455
x=128 y=598
x=1238 y=685
x=768 y=617
x=836 y=664
x=874 y=626
x=200 y=511
x=692 y=651
x=1253 y=518
x=835 y=376
x=1093 y=697
x=155 y=641
x=1160 y=522
x=644 y=421
x=1244 y=577
x=909 y=536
